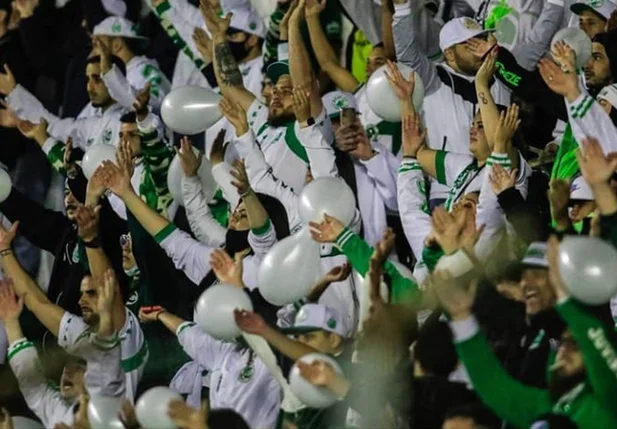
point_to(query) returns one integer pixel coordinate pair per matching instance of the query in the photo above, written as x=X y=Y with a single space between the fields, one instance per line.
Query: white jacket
x=588 y=119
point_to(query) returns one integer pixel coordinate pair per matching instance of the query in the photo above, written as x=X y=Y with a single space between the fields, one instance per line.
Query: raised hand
x=403 y=88
x=298 y=14
x=346 y=138
x=37 y=132
x=103 y=50
x=7 y=236
x=186 y=417
x=249 y=322
x=81 y=416
x=219 y=147
x=327 y=231
x=128 y=416
x=559 y=197
x=70 y=166
x=116 y=179
x=456 y=299
x=414 y=135
x=314 y=7
x=87 y=220
x=507 y=126
x=235 y=114
x=284 y=24
x=142 y=101
x=480 y=47
x=11 y=305
x=319 y=373
x=302 y=105
x=338 y=273
x=501 y=179
x=552 y=256
x=6 y=422
x=96 y=186
x=107 y=292
x=26 y=8
x=217 y=25
x=7 y=81
x=203 y=43
x=596 y=167
x=487 y=69
x=447 y=229
x=558 y=81
x=241 y=182
x=227 y=270
x=189 y=161
x=565 y=56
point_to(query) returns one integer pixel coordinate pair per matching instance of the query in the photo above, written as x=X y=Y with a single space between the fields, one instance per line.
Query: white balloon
x=191 y=110
x=95 y=155
x=587 y=267
x=290 y=269
x=103 y=412
x=26 y=423
x=327 y=195
x=152 y=408
x=214 y=311
x=382 y=98
x=313 y=396
x=578 y=40
x=175 y=175
x=5 y=185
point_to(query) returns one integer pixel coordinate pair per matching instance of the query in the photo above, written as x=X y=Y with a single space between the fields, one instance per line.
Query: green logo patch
x=331 y=323
x=116 y=27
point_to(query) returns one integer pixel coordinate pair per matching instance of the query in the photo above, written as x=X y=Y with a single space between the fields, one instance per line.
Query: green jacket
x=589 y=405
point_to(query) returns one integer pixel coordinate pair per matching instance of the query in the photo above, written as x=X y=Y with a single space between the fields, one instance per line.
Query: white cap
x=580 y=190
x=248 y=20
x=609 y=93
x=535 y=256
x=316 y=317
x=117 y=27
x=601 y=7
x=335 y=101
x=459 y=30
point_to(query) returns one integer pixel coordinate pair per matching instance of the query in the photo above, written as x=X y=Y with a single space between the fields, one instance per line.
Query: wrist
x=159 y=314
x=572 y=95
x=6 y=251
x=242 y=130
x=91 y=241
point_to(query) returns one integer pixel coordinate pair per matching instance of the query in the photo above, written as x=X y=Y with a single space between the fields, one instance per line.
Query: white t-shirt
x=73 y=337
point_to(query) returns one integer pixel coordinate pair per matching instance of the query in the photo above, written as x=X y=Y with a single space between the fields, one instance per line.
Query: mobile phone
x=348 y=116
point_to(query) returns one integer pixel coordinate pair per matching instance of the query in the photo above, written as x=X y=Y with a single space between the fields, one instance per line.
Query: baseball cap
x=318 y=317
x=248 y=20
x=580 y=190
x=535 y=256
x=117 y=27
x=609 y=93
x=276 y=70
x=335 y=101
x=459 y=30
x=604 y=8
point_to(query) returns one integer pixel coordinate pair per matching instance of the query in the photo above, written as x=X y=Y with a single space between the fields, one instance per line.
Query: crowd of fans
x=442 y=300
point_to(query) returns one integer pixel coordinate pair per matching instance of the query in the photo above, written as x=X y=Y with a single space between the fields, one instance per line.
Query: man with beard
x=274 y=126
x=100 y=128
x=99 y=374
x=582 y=379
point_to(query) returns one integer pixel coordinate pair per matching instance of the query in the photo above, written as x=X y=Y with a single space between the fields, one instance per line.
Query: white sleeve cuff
x=147 y=124
x=402 y=10
x=49 y=144
x=457 y=264
x=464 y=329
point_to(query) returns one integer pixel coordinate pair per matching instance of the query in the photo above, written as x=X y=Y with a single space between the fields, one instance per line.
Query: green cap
x=276 y=70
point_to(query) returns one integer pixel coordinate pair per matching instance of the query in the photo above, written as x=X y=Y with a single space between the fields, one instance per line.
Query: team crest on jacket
x=107 y=136
x=340 y=102
x=246 y=374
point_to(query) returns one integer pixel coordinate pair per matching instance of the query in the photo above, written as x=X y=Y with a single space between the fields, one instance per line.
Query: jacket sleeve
x=413 y=205
x=40 y=226
x=587 y=119
x=408 y=51
x=223 y=178
x=187 y=254
x=200 y=347
x=598 y=345
x=537 y=42
x=512 y=401
x=321 y=157
x=262 y=239
x=379 y=168
x=358 y=253
x=262 y=180
x=204 y=226
x=41 y=397
x=119 y=87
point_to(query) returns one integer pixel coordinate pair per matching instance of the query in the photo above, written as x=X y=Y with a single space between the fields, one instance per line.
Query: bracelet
x=244 y=194
x=6 y=252
x=95 y=243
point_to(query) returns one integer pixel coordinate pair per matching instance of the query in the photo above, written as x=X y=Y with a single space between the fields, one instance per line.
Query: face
x=591 y=23
x=478 y=144
x=72 y=381
x=598 y=68
x=376 y=59
x=462 y=59
x=459 y=423
x=239 y=221
x=97 y=91
x=88 y=301
x=129 y=134
x=580 y=209
x=266 y=91
x=322 y=341
x=70 y=203
x=537 y=291
x=606 y=106
x=569 y=360
x=281 y=102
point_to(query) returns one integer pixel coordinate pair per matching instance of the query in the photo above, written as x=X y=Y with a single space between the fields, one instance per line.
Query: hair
x=609 y=41
x=224 y=418
x=434 y=349
x=129 y=118
x=114 y=61
x=136 y=46
x=475 y=411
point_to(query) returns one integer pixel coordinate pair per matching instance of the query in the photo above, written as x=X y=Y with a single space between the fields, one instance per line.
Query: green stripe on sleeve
x=440 y=166
x=135 y=361
x=164 y=233
x=19 y=347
